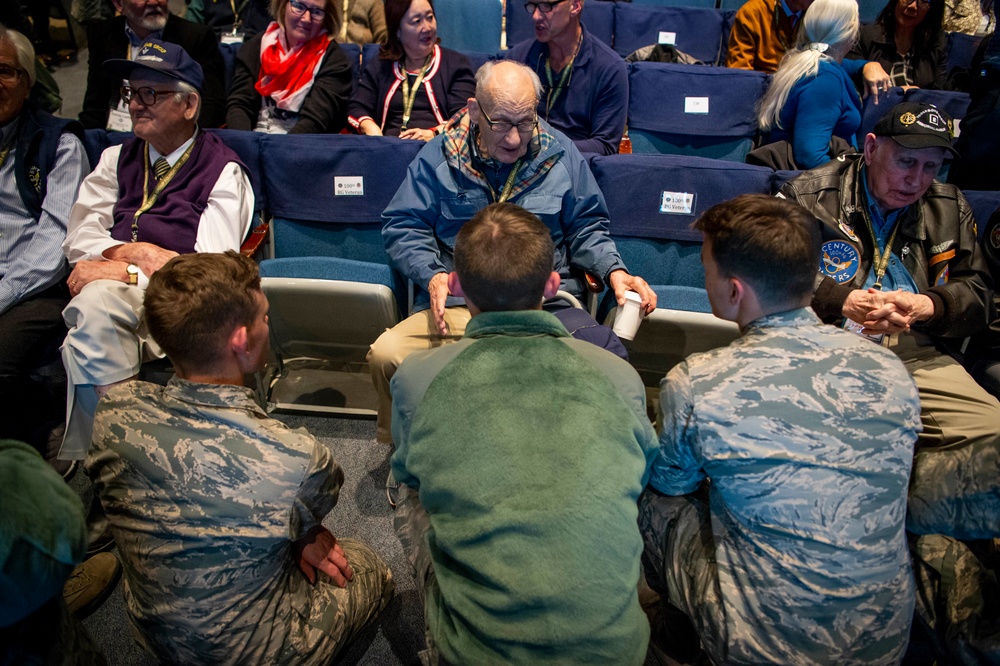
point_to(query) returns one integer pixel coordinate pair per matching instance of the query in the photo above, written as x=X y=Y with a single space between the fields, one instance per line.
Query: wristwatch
x=133 y=273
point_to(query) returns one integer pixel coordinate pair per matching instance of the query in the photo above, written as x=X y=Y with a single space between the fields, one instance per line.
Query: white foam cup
x=629 y=316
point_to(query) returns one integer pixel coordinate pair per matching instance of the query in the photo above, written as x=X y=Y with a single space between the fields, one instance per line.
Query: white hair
x=828 y=30
x=25 y=51
x=185 y=88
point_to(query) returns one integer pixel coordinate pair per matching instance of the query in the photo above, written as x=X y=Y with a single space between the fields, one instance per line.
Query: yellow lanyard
x=409 y=96
x=567 y=74
x=344 y=19
x=880 y=260
x=149 y=199
x=508 y=186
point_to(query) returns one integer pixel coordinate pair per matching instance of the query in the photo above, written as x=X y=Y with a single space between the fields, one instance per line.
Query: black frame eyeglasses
x=545 y=7
x=503 y=126
x=10 y=75
x=146 y=96
x=300 y=8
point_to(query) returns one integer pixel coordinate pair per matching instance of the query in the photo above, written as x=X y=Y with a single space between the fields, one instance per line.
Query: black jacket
x=110 y=41
x=938 y=231
x=324 y=110
x=928 y=64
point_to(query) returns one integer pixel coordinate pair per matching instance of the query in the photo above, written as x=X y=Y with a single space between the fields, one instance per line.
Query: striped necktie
x=160 y=167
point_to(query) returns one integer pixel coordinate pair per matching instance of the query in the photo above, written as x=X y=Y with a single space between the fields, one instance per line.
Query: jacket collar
x=515 y=323
x=400 y=71
x=226 y=396
x=853 y=202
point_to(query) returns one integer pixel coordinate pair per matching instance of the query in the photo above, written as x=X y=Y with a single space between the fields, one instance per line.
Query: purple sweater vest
x=172 y=222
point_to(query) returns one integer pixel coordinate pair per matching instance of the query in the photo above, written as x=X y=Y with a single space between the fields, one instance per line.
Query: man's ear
x=118 y=5
x=474 y=112
x=552 y=285
x=191 y=106
x=869 y=147
x=239 y=342
x=454 y=286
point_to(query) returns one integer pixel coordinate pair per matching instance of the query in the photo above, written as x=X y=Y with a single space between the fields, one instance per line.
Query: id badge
x=235 y=37
x=855 y=327
x=119 y=121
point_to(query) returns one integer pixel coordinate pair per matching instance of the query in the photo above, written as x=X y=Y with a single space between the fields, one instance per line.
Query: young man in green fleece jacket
x=521 y=453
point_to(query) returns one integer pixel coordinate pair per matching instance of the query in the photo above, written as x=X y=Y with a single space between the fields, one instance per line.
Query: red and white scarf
x=287 y=76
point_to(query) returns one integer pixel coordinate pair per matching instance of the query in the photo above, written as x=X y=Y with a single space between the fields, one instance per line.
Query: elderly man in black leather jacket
x=930 y=290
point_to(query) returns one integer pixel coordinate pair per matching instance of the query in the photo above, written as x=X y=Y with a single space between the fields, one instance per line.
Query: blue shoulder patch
x=840 y=261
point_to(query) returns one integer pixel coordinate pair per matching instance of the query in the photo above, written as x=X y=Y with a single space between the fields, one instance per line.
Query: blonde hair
x=828 y=30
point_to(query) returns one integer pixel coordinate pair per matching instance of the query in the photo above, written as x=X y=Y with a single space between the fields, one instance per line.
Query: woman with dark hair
x=907 y=40
x=292 y=78
x=416 y=85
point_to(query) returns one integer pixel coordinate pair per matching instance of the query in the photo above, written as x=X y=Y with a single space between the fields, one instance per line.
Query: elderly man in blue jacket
x=499 y=150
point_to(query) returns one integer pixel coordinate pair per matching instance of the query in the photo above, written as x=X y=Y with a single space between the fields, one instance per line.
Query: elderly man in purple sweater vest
x=172 y=189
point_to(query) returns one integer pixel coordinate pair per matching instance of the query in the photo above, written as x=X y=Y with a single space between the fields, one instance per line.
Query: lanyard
x=344 y=17
x=564 y=79
x=409 y=96
x=881 y=260
x=508 y=186
x=149 y=199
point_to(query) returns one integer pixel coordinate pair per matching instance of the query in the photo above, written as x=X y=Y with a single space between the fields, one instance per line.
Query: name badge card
x=667 y=38
x=697 y=105
x=349 y=186
x=677 y=203
x=119 y=121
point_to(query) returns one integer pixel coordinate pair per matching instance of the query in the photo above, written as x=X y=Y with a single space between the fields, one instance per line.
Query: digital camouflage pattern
x=205 y=495
x=807 y=433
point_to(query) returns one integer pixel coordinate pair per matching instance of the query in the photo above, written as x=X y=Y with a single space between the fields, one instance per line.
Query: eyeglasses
x=300 y=8
x=10 y=75
x=922 y=4
x=146 y=96
x=545 y=7
x=503 y=126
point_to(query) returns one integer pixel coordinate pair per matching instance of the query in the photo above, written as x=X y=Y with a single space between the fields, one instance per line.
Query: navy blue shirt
x=593 y=108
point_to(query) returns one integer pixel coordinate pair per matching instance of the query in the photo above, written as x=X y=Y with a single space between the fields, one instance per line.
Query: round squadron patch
x=907 y=118
x=840 y=261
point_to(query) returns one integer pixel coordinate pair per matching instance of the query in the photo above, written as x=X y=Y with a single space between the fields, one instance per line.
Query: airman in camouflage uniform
x=805 y=433
x=207 y=495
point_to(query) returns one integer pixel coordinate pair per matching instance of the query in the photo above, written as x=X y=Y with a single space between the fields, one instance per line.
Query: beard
x=150 y=22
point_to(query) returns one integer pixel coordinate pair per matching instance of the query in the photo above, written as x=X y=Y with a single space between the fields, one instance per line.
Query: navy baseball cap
x=917 y=125
x=163 y=57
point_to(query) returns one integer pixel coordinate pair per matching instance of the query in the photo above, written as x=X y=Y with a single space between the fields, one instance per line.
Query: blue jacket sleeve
x=676 y=468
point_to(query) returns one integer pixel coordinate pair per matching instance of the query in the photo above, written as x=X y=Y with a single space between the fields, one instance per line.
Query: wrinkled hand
x=319 y=550
x=621 y=282
x=150 y=258
x=417 y=134
x=901 y=309
x=87 y=271
x=438 y=289
x=876 y=79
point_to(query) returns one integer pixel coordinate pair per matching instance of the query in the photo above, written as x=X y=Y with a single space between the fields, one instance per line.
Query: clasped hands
x=888 y=312
x=148 y=257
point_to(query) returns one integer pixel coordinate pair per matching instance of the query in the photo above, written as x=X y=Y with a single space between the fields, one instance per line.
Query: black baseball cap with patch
x=917 y=125
x=163 y=57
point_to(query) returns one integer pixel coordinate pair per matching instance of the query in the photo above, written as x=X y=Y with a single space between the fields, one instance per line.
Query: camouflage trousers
x=679 y=562
x=955 y=483
x=412 y=523
x=958 y=601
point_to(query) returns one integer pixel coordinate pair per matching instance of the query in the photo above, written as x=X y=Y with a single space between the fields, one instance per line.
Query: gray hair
x=185 y=88
x=829 y=29
x=485 y=74
x=25 y=51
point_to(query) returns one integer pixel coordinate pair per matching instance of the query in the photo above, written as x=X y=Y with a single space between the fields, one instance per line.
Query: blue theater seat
x=470 y=25
x=954 y=104
x=695 y=31
x=653 y=200
x=693 y=110
x=984 y=204
x=708 y=4
x=961 y=50
x=353 y=53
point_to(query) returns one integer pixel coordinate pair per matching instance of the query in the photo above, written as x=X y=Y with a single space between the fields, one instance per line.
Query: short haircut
x=395 y=10
x=771 y=243
x=331 y=20
x=503 y=256
x=25 y=51
x=196 y=300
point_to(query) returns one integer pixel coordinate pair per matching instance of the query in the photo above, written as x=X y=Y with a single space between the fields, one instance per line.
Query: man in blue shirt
x=42 y=163
x=585 y=83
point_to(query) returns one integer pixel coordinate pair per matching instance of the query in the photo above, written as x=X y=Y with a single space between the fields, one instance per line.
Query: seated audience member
x=363 y=22
x=496 y=151
x=124 y=36
x=42 y=537
x=811 y=100
x=979 y=142
x=42 y=163
x=415 y=85
x=763 y=31
x=251 y=16
x=795 y=550
x=585 y=83
x=216 y=508
x=982 y=357
x=293 y=77
x=901 y=266
x=908 y=42
x=486 y=428
x=963 y=16
x=172 y=189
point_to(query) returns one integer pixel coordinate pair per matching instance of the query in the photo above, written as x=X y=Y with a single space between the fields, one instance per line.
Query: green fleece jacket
x=529 y=450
